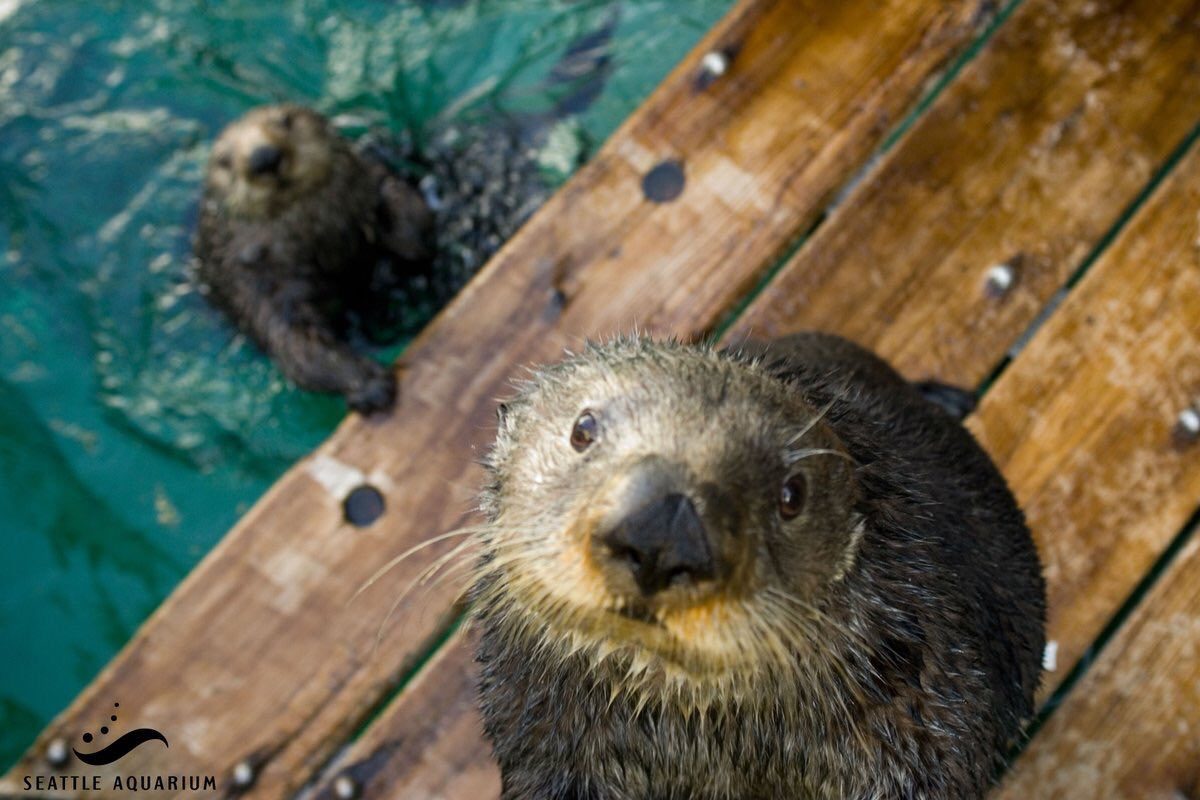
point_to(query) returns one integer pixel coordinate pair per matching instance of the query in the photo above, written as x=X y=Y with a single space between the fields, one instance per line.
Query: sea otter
x=295 y=229
x=774 y=571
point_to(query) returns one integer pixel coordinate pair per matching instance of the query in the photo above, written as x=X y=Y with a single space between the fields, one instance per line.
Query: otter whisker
x=459 y=570
x=417 y=581
x=420 y=579
x=812 y=423
x=460 y=550
x=412 y=550
x=463 y=531
x=784 y=601
x=795 y=456
x=841 y=673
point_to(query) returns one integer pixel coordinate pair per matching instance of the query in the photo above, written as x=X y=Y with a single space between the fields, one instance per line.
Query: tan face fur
x=666 y=418
x=299 y=145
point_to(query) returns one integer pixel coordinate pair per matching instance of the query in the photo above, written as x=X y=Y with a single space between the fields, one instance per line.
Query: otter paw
x=956 y=402
x=377 y=392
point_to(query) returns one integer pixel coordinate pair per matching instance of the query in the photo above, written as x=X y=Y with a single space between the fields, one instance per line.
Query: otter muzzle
x=264 y=160
x=662 y=542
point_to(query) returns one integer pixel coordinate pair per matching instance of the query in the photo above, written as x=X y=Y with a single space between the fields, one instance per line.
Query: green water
x=134 y=427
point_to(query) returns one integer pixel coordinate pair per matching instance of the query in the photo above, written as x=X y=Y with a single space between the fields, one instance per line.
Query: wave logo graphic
x=121 y=746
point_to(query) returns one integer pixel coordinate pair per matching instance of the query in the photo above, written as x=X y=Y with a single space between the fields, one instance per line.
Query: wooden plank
x=1082 y=422
x=424 y=759
x=259 y=655
x=1064 y=148
x=401 y=754
x=1027 y=159
x=1129 y=729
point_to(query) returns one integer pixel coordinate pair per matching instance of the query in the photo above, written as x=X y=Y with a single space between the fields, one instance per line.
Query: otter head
x=672 y=505
x=270 y=157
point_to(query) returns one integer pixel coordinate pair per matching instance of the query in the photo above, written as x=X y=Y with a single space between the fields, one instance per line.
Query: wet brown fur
x=884 y=644
x=287 y=255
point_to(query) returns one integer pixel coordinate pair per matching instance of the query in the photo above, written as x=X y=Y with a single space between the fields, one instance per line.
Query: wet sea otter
x=294 y=229
x=773 y=572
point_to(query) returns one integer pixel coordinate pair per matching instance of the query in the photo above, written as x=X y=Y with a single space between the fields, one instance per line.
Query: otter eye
x=583 y=433
x=792 y=496
x=286 y=120
x=225 y=161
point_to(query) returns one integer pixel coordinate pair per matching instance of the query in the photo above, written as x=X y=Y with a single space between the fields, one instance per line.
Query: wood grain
x=260 y=655
x=401 y=751
x=1131 y=729
x=1069 y=468
x=426 y=758
x=1082 y=423
x=1026 y=159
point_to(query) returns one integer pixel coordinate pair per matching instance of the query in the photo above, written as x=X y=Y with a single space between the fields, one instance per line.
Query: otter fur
x=776 y=571
x=294 y=227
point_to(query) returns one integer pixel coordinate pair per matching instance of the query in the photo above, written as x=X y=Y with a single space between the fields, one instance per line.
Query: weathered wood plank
x=401 y=751
x=425 y=759
x=1065 y=148
x=1129 y=729
x=259 y=655
x=1027 y=159
x=1082 y=422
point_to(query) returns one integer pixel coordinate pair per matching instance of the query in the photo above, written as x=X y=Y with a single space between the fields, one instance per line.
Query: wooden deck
x=1049 y=140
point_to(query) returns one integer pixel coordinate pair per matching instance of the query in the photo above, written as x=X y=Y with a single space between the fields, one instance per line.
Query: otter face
x=671 y=502
x=270 y=157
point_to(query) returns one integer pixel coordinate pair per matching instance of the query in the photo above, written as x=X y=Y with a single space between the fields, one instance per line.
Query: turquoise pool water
x=134 y=427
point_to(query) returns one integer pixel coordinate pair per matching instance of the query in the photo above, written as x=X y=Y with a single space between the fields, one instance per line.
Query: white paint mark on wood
x=337 y=477
x=295 y=576
x=381 y=481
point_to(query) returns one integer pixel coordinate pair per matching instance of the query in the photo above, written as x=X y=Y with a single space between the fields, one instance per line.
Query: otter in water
x=295 y=228
x=772 y=572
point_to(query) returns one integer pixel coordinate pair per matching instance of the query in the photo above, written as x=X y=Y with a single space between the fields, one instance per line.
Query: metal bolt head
x=1187 y=426
x=1000 y=280
x=57 y=752
x=243 y=774
x=715 y=63
x=345 y=787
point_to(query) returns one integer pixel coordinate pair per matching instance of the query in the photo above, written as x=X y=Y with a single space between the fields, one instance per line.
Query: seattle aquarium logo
x=120 y=747
x=97 y=751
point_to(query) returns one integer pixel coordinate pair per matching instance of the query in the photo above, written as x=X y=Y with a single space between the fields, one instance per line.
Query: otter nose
x=264 y=159
x=662 y=541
